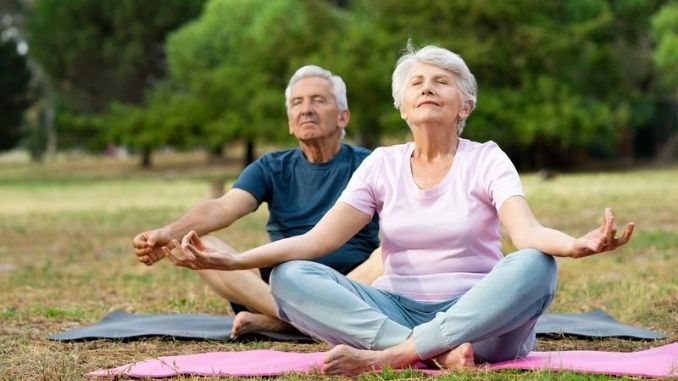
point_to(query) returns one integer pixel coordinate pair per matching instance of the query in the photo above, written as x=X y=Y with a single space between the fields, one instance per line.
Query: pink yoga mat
x=656 y=362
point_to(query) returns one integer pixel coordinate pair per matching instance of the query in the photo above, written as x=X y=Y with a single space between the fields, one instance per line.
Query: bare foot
x=245 y=322
x=346 y=360
x=457 y=358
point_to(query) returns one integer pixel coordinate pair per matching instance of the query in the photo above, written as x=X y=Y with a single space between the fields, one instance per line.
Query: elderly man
x=299 y=185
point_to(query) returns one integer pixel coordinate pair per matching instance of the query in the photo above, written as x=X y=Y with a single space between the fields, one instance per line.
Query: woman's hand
x=194 y=254
x=601 y=239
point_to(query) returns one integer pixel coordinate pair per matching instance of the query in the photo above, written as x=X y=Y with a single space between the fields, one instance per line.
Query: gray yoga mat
x=593 y=324
x=125 y=326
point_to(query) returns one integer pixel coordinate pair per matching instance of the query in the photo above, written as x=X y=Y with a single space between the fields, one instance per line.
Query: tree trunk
x=216 y=188
x=369 y=137
x=146 y=158
x=50 y=131
x=215 y=154
x=250 y=154
x=668 y=150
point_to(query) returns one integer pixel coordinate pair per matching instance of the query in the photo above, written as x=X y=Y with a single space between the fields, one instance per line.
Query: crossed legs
x=492 y=322
x=246 y=288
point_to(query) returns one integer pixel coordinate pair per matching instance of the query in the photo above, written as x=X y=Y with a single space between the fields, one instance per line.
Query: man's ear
x=343 y=118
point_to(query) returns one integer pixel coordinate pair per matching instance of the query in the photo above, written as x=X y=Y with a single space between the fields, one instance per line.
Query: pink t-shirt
x=436 y=243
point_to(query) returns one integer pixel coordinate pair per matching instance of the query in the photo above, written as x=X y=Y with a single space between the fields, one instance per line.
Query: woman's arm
x=526 y=232
x=337 y=226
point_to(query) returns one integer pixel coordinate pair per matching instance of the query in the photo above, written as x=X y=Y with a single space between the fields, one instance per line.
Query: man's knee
x=217 y=244
x=210 y=240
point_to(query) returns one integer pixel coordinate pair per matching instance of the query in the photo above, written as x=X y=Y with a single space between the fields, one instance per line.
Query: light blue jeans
x=497 y=315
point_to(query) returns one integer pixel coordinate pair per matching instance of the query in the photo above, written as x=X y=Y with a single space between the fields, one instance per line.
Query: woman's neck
x=434 y=142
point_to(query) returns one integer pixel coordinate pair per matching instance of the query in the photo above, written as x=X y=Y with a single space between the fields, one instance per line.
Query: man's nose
x=306 y=107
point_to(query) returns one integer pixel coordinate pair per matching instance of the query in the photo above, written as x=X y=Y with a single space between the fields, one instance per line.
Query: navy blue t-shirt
x=298 y=194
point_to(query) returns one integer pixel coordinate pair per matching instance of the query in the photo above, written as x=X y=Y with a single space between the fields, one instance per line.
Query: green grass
x=66 y=260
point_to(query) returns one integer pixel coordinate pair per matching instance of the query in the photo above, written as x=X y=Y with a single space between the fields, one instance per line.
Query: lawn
x=66 y=260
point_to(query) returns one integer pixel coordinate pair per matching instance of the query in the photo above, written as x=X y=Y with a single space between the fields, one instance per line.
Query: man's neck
x=320 y=151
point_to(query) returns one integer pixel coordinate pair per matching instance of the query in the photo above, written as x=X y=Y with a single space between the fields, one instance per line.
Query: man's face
x=313 y=112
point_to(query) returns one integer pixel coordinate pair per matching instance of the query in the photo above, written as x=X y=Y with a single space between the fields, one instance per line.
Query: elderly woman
x=447 y=293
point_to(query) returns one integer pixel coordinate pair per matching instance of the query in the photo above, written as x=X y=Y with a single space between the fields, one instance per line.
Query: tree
x=101 y=51
x=232 y=64
x=665 y=33
x=14 y=93
x=96 y=53
x=553 y=76
x=364 y=55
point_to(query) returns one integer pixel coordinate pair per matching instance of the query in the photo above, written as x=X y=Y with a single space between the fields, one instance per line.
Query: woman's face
x=431 y=96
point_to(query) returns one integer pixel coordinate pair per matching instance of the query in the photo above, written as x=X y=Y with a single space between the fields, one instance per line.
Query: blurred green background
x=575 y=84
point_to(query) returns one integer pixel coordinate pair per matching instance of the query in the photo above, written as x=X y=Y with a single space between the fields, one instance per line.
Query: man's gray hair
x=442 y=58
x=338 y=85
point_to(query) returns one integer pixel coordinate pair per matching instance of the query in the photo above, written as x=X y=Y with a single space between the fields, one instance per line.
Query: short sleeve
x=501 y=178
x=360 y=191
x=253 y=180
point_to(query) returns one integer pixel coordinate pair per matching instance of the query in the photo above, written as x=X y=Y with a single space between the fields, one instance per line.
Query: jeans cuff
x=428 y=340
x=390 y=334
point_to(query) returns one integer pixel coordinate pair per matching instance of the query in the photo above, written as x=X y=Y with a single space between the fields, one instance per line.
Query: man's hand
x=194 y=254
x=602 y=239
x=148 y=245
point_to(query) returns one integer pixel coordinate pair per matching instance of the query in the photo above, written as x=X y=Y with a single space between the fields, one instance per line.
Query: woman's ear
x=466 y=107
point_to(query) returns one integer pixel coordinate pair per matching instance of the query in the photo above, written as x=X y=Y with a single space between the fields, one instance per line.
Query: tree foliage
x=97 y=52
x=14 y=94
x=231 y=65
x=665 y=32
x=558 y=81
x=553 y=76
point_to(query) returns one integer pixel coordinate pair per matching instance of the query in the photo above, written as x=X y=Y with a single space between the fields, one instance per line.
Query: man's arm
x=212 y=215
x=204 y=218
x=337 y=226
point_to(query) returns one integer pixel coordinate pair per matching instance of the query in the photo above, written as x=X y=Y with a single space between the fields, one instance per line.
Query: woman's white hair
x=338 y=85
x=442 y=58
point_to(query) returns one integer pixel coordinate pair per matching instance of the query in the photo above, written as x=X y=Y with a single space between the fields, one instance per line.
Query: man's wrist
x=168 y=233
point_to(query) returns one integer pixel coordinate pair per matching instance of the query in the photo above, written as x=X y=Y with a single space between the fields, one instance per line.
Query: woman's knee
x=288 y=277
x=541 y=268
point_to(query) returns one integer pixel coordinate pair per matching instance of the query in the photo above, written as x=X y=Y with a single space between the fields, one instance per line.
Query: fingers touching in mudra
x=602 y=239
x=191 y=252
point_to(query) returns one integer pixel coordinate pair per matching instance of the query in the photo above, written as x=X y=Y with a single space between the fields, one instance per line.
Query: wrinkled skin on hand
x=192 y=253
x=603 y=238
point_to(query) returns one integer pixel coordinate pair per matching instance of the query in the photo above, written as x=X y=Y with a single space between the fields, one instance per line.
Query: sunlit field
x=66 y=260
